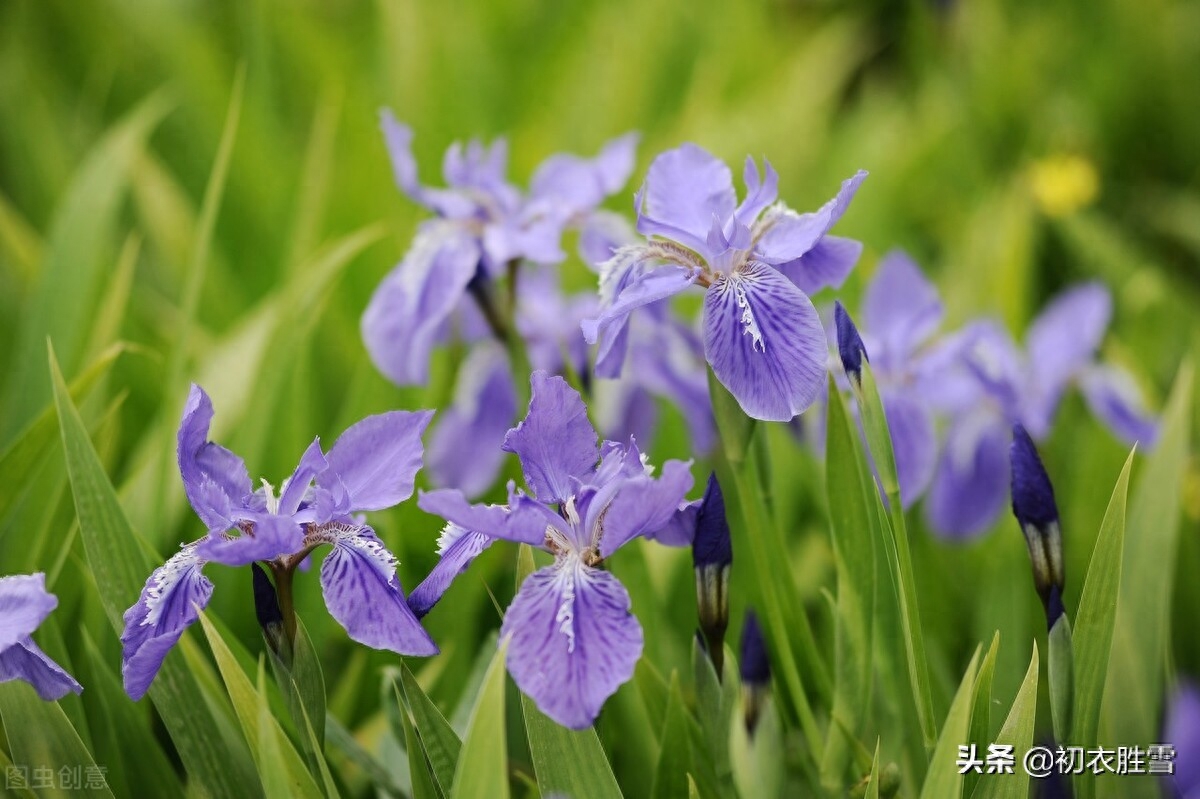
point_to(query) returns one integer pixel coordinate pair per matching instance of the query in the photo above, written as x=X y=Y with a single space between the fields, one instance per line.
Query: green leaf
x=943 y=780
x=303 y=685
x=981 y=711
x=41 y=736
x=441 y=744
x=872 y=791
x=715 y=706
x=1093 y=629
x=852 y=523
x=675 y=759
x=1060 y=675
x=482 y=771
x=60 y=308
x=1017 y=732
x=120 y=567
x=566 y=762
x=1140 y=643
x=418 y=766
x=758 y=760
x=279 y=764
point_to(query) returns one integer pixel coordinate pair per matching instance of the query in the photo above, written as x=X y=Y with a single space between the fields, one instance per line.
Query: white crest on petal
x=164 y=579
x=565 y=618
x=749 y=323
x=451 y=533
x=352 y=537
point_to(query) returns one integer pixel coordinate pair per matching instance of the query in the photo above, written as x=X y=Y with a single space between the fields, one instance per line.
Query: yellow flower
x=1062 y=184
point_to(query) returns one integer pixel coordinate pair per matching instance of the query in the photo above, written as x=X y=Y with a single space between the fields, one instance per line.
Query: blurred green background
x=1014 y=148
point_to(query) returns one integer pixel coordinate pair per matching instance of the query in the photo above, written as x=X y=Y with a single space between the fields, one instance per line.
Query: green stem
x=284 y=572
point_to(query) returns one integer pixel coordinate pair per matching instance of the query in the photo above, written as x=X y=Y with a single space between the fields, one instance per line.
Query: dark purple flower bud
x=266 y=608
x=712 y=556
x=756 y=671
x=1033 y=505
x=850 y=344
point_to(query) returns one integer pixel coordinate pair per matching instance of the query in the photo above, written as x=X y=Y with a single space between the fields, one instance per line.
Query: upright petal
x=25 y=661
x=826 y=265
x=574 y=185
x=464 y=447
x=1065 y=336
x=408 y=308
x=759 y=193
x=640 y=505
x=765 y=343
x=170 y=602
x=555 y=441
x=24 y=604
x=312 y=463
x=362 y=592
x=783 y=236
x=264 y=536
x=685 y=187
x=377 y=459
x=457 y=548
x=914 y=441
x=398 y=138
x=901 y=308
x=573 y=641
x=1113 y=396
x=215 y=480
x=970 y=483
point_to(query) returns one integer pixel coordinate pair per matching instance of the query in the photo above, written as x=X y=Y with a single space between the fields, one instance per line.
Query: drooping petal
x=170 y=602
x=641 y=289
x=464 y=447
x=312 y=463
x=457 y=548
x=268 y=537
x=408 y=308
x=1065 y=336
x=901 y=308
x=24 y=660
x=639 y=505
x=765 y=343
x=913 y=441
x=555 y=441
x=377 y=459
x=521 y=521
x=363 y=593
x=680 y=529
x=1113 y=396
x=826 y=265
x=573 y=641
x=971 y=480
x=215 y=480
x=24 y=604
x=685 y=187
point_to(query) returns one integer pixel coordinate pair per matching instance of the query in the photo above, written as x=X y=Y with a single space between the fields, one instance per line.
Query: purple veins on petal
x=573 y=641
x=522 y=520
x=556 y=442
x=765 y=343
x=457 y=549
x=169 y=603
x=363 y=593
x=639 y=505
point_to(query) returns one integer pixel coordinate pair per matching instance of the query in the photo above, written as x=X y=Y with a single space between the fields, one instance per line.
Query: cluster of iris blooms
x=482 y=272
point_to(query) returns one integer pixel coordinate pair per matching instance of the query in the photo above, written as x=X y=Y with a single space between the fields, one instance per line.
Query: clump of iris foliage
x=605 y=460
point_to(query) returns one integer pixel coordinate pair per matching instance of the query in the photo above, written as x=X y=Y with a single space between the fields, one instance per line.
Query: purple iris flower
x=758 y=261
x=1183 y=731
x=25 y=604
x=483 y=224
x=371 y=466
x=573 y=638
x=900 y=313
x=997 y=384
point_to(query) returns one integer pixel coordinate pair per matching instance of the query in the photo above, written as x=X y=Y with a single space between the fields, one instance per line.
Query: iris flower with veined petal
x=371 y=466
x=758 y=261
x=25 y=604
x=573 y=639
x=998 y=384
x=483 y=225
